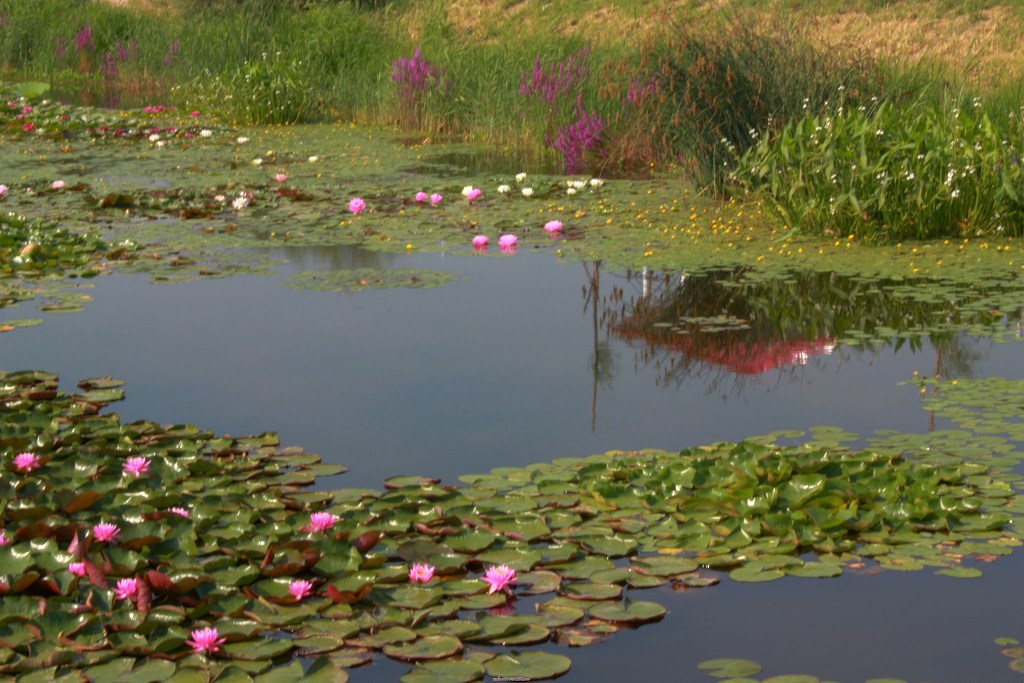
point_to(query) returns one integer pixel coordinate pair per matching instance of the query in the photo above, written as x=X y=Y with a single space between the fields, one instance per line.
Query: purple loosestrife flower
x=550 y=82
x=300 y=588
x=105 y=531
x=60 y=47
x=500 y=578
x=205 y=640
x=83 y=39
x=127 y=589
x=421 y=573
x=137 y=466
x=578 y=138
x=26 y=462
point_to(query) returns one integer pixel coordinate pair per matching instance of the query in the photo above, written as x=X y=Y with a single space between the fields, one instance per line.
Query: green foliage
x=718 y=89
x=917 y=170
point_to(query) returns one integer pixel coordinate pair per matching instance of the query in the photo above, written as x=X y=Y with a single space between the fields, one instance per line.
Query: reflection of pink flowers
x=4 y=538
x=280 y=177
x=480 y=241
x=300 y=588
x=357 y=205
x=507 y=241
x=435 y=198
x=553 y=226
x=137 y=466
x=421 y=573
x=421 y=196
x=322 y=521
x=105 y=531
x=26 y=462
x=205 y=640
x=77 y=568
x=500 y=578
x=126 y=589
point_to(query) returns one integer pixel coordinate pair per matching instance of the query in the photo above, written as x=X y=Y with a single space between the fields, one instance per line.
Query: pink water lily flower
x=357 y=205
x=421 y=572
x=126 y=589
x=474 y=193
x=500 y=578
x=435 y=198
x=137 y=466
x=421 y=197
x=77 y=568
x=553 y=226
x=181 y=512
x=280 y=177
x=57 y=184
x=322 y=521
x=4 y=538
x=300 y=588
x=3 y=190
x=508 y=240
x=26 y=462
x=205 y=640
x=480 y=241
x=105 y=531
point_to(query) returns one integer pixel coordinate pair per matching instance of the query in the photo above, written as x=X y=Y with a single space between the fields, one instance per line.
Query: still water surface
x=509 y=365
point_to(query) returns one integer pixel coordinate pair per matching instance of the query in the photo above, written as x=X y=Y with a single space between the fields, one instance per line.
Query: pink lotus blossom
x=57 y=184
x=126 y=589
x=357 y=205
x=421 y=573
x=300 y=588
x=421 y=196
x=480 y=241
x=280 y=177
x=77 y=568
x=137 y=466
x=205 y=640
x=4 y=538
x=435 y=198
x=553 y=226
x=500 y=578
x=181 y=512
x=508 y=240
x=26 y=462
x=105 y=531
x=322 y=521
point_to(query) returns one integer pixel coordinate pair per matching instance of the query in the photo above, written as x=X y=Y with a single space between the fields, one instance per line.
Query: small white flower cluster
x=243 y=200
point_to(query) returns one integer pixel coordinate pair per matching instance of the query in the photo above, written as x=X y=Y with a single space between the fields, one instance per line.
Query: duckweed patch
x=367 y=278
x=214 y=531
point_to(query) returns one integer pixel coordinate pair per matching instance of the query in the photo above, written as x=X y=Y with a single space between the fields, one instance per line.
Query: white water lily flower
x=504 y=189
x=527 y=191
x=466 y=190
x=313 y=159
x=258 y=161
x=571 y=190
x=242 y=140
x=520 y=177
x=205 y=132
x=596 y=182
x=154 y=137
x=160 y=143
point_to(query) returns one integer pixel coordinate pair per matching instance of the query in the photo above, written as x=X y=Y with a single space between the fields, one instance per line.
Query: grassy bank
x=698 y=86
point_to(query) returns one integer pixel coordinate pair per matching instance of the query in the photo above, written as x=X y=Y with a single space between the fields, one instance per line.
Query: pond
x=510 y=359
x=497 y=368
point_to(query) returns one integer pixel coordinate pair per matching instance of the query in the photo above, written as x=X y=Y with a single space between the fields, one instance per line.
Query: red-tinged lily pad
x=426 y=647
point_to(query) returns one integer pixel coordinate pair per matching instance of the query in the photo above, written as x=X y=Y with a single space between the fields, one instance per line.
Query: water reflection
x=725 y=327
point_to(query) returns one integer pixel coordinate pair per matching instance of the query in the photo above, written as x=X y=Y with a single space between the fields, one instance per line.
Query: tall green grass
x=921 y=169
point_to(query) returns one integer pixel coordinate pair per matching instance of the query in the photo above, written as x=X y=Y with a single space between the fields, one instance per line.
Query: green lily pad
x=531 y=665
x=427 y=647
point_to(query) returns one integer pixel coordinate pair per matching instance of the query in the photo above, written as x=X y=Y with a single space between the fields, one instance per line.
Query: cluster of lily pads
x=135 y=550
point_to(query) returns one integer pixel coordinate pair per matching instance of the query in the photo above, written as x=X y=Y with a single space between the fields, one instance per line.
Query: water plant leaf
x=424 y=648
x=533 y=665
x=457 y=671
x=729 y=668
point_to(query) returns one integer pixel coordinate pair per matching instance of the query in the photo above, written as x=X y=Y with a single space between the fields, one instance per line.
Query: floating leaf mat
x=215 y=529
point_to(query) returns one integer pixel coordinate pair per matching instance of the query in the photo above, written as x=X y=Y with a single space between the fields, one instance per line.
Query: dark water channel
x=524 y=359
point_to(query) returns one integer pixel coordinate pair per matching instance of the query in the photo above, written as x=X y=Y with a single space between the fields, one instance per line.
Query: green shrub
x=918 y=170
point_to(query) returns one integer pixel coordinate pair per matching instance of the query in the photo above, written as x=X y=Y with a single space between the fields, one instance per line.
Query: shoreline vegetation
x=891 y=121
